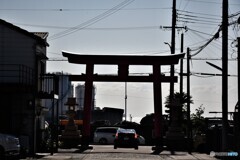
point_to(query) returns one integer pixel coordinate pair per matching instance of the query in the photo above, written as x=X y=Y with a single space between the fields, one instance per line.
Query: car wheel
x=103 y=141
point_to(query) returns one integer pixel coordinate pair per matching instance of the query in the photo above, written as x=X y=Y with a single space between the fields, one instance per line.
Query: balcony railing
x=49 y=86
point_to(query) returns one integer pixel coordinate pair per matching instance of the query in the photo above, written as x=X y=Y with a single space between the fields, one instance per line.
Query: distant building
x=65 y=90
x=22 y=62
x=112 y=115
x=79 y=94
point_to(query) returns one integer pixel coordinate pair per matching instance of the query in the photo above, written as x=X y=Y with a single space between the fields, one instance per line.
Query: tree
x=198 y=121
x=182 y=98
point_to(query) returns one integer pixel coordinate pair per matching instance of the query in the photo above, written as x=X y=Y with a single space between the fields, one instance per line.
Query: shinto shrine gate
x=123 y=62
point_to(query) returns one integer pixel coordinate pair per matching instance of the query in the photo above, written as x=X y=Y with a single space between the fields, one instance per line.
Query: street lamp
x=168 y=45
x=171 y=72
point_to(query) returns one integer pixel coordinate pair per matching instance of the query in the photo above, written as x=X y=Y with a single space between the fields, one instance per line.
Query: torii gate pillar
x=157 y=93
x=87 y=105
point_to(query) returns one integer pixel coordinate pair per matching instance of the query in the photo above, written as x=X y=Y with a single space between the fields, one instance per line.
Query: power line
x=199 y=17
x=93 y=28
x=197 y=13
x=71 y=9
x=92 y=21
x=199 y=31
x=208 y=42
x=216 y=35
x=212 y=59
x=207 y=1
x=195 y=20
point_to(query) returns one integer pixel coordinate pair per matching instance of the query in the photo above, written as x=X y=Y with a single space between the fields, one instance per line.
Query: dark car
x=126 y=138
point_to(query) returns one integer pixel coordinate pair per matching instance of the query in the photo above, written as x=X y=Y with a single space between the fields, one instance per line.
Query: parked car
x=105 y=135
x=126 y=138
x=9 y=146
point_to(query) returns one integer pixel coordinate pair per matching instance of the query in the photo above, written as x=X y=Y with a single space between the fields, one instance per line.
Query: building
x=79 y=94
x=65 y=90
x=112 y=115
x=22 y=62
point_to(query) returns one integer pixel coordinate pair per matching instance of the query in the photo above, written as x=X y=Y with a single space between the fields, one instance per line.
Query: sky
x=134 y=27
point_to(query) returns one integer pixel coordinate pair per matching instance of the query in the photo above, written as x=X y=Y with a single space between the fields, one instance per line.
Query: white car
x=105 y=135
x=9 y=145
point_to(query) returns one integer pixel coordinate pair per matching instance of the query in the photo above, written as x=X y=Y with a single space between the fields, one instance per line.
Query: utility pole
x=173 y=47
x=181 y=66
x=125 y=101
x=189 y=123
x=224 y=74
x=238 y=57
x=238 y=103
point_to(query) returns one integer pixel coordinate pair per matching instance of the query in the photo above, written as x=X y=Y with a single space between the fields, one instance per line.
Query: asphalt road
x=106 y=152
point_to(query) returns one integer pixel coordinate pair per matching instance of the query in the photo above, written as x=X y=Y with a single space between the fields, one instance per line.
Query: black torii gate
x=123 y=62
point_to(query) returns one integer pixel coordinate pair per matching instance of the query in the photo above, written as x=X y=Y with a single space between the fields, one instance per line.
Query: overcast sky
x=133 y=27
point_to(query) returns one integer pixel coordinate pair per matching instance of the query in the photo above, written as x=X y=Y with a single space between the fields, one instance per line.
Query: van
x=105 y=135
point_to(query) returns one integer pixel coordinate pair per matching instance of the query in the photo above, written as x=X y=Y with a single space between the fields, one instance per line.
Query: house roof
x=41 y=38
x=43 y=35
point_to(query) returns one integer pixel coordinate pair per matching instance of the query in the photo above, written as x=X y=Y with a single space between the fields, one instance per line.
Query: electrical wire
x=190 y=18
x=91 y=21
x=197 y=13
x=207 y=1
x=198 y=17
x=69 y=9
x=93 y=28
x=199 y=31
x=194 y=20
x=207 y=43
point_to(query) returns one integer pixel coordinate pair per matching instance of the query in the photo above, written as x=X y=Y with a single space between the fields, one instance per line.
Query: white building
x=79 y=94
x=65 y=91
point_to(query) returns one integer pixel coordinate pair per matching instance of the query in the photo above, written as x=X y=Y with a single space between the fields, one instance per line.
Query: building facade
x=22 y=62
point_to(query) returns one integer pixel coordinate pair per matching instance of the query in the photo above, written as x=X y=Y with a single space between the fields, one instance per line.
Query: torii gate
x=123 y=62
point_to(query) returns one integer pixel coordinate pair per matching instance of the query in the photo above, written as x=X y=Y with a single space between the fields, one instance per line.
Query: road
x=106 y=152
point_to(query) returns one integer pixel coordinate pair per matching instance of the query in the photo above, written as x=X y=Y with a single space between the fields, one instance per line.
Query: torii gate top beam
x=123 y=59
